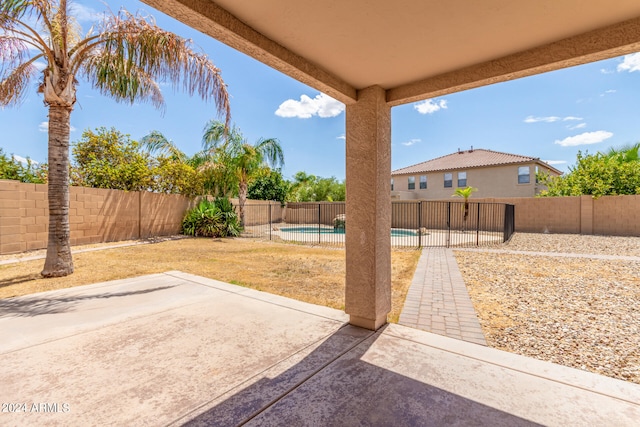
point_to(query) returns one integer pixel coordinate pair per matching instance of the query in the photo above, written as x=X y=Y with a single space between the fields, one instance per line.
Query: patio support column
x=368 y=209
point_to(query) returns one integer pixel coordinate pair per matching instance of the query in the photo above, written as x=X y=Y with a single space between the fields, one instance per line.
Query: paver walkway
x=438 y=300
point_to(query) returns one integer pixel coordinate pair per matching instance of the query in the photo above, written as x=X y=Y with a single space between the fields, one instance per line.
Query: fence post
x=319 y=236
x=509 y=221
x=270 y=224
x=419 y=223
x=448 y=223
x=139 y=214
x=478 y=226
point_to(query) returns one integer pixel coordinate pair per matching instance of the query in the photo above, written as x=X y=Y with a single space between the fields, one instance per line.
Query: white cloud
x=555 y=162
x=630 y=63
x=322 y=106
x=430 y=106
x=44 y=127
x=606 y=92
x=23 y=160
x=83 y=13
x=585 y=138
x=550 y=119
x=411 y=142
x=606 y=71
x=578 y=126
x=343 y=137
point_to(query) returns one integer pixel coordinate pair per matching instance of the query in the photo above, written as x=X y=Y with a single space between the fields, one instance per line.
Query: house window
x=462 y=179
x=423 y=182
x=391 y=184
x=524 y=176
x=412 y=183
x=448 y=180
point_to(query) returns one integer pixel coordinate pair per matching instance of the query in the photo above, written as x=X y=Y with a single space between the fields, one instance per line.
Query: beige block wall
x=95 y=215
x=617 y=215
x=497 y=181
x=312 y=212
x=98 y=215
x=260 y=212
x=545 y=214
x=162 y=214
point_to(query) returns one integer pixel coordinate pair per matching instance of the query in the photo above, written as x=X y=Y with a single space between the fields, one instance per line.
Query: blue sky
x=550 y=116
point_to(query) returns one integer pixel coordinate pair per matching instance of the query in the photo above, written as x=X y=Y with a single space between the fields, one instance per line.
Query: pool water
x=314 y=230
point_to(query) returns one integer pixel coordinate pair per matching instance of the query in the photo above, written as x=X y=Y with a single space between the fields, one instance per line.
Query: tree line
x=226 y=165
x=615 y=172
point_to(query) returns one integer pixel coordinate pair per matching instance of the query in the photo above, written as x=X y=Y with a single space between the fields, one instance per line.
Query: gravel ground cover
x=583 y=313
x=575 y=243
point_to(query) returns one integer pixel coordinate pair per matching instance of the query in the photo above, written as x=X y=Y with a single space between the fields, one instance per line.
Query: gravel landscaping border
x=583 y=313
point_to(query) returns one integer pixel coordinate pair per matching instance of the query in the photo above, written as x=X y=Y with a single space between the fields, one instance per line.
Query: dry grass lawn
x=314 y=275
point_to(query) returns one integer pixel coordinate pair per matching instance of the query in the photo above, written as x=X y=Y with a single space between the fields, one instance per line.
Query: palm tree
x=215 y=166
x=243 y=158
x=625 y=154
x=465 y=193
x=121 y=60
x=157 y=143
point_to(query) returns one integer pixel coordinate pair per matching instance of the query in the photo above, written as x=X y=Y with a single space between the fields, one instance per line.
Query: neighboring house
x=493 y=173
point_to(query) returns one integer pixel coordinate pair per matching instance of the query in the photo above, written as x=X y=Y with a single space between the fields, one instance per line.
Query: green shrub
x=212 y=219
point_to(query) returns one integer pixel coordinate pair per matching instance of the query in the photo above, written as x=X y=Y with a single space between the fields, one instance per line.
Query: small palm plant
x=212 y=219
x=464 y=193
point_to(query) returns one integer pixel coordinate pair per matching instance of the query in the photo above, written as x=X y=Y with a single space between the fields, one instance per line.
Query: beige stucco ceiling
x=415 y=48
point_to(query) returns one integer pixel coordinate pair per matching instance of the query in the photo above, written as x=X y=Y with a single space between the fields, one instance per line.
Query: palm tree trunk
x=466 y=214
x=58 y=262
x=242 y=198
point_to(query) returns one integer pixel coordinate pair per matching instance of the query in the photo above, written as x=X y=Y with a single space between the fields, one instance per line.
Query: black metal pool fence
x=419 y=223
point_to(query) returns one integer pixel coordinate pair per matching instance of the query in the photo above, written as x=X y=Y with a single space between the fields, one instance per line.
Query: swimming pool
x=395 y=232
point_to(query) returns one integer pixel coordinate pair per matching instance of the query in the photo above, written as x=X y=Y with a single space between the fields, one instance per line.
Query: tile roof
x=473 y=158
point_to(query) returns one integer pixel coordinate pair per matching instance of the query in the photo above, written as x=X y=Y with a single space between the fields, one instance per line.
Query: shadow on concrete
x=333 y=386
x=37 y=306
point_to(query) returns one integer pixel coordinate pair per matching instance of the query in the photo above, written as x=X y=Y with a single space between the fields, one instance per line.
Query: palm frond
x=217 y=134
x=271 y=151
x=133 y=46
x=214 y=134
x=14 y=83
x=11 y=11
x=123 y=82
x=157 y=143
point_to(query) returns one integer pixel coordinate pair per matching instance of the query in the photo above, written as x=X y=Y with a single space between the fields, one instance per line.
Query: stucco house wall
x=491 y=181
x=492 y=173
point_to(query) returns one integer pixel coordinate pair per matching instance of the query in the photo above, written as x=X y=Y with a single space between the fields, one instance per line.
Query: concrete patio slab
x=178 y=349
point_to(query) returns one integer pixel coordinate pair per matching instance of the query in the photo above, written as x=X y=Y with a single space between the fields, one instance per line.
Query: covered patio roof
x=415 y=49
x=376 y=54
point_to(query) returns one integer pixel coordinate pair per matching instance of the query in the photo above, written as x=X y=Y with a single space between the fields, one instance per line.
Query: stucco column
x=368 y=210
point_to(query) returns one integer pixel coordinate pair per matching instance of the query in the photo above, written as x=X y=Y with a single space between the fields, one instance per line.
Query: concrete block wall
x=23 y=216
x=616 y=215
x=546 y=214
x=257 y=212
x=95 y=215
x=98 y=215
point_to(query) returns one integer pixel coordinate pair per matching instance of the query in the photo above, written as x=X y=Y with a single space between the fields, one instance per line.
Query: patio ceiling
x=415 y=49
